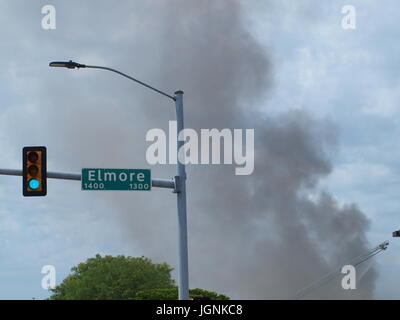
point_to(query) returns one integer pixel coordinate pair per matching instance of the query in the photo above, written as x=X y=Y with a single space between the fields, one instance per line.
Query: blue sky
x=346 y=76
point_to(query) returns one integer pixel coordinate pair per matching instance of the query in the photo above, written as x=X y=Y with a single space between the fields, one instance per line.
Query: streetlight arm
x=74 y=65
x=129 y=77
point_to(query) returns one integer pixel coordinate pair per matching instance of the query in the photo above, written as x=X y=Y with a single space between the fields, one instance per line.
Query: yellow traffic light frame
x=34 y=167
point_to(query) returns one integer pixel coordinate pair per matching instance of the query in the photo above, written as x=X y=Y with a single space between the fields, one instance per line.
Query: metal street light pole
x=180 y=179
x=181 y=203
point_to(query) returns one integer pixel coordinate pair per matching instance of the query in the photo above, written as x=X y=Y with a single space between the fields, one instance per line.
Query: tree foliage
x=123 y=278
x=113 y=278
x=172 y=294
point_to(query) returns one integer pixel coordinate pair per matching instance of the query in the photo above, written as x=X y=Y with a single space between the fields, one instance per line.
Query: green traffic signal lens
x=33 y=170
x=33 y=156
x=34 y=184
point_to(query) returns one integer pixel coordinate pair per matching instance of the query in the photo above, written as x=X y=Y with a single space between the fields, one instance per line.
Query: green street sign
x=116 y=179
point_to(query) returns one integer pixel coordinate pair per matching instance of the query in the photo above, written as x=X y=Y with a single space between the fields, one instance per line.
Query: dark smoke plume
x=261 y=236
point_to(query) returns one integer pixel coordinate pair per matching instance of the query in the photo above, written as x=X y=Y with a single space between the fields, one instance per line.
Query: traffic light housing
x=34 y=172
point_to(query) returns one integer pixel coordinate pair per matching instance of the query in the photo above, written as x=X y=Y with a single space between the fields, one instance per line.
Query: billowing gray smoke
x=261 y=236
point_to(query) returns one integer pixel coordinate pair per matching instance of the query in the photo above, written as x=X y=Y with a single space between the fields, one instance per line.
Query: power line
x=330 y=276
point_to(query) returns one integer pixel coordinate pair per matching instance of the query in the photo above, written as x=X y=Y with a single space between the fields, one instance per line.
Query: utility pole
x=181 y=202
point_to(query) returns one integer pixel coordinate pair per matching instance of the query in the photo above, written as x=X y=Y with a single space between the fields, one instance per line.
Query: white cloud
x=384 y=102
x=354 y=175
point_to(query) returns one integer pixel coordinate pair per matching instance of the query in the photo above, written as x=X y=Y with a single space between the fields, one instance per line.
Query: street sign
x=116 y=179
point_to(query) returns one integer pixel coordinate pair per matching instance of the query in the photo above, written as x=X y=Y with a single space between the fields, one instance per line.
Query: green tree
x=172 y=294
x=123 y=278
x=111 y=278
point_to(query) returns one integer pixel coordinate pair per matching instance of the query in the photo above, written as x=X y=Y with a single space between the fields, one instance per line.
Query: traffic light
x=396 y=233
x=34 y=172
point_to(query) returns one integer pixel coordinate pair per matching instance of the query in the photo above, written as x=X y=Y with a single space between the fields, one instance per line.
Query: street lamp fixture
x=63 y=64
